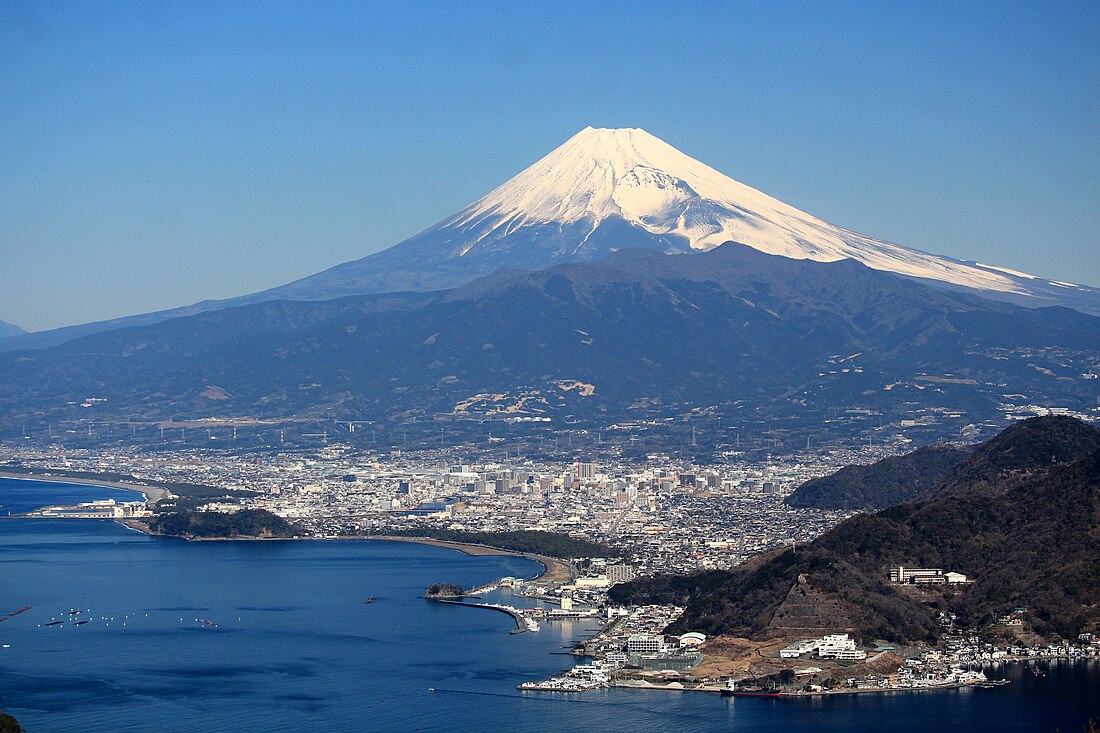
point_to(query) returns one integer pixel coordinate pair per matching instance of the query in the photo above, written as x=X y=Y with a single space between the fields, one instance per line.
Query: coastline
x=152 y=494
x=632 y=684
x=553 y=569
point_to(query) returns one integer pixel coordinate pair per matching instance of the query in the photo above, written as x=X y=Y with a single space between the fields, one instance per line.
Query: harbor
x=299 y=646
x=524 y=620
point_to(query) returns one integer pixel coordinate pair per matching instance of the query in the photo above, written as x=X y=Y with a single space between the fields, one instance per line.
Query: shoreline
x=551 y=567
x=152 y=494
x=626 y=685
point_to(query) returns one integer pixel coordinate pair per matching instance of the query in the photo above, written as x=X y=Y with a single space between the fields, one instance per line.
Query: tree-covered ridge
x=1014 y=454
x=536 y=542
x=751 y=602
x=245 y=523
x=1036 y=544
x=940 y=470
x=886 y=483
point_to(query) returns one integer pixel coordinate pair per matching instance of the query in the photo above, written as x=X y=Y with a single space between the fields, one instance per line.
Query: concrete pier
x=521 y=622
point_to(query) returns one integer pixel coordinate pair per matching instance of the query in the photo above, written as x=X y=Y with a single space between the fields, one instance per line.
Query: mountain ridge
x=756 y=326
x=939 y=470
x=882 y=484
x=602 y=191
x=10 y=329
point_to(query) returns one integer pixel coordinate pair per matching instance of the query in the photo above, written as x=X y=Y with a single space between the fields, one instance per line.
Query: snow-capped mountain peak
x=602 y=174
x=610 y=189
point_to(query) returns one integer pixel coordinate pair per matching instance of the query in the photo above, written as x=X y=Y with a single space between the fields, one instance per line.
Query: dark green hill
x=210 y=525
x=941 y=470
x=1035 y=545
x=1014 y=454
x=882 y=484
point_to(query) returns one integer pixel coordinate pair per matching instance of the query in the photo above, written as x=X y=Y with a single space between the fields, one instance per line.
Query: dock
x=522 y=622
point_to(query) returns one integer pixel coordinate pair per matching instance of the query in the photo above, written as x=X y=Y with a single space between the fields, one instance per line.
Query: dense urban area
x=667 y=517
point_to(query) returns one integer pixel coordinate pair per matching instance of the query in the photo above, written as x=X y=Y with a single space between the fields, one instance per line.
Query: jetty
x=523 y=622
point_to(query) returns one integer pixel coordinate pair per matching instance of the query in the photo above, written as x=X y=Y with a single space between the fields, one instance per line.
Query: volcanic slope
x=601 y=191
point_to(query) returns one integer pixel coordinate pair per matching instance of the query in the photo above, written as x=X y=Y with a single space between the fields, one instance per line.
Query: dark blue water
x=296 y=649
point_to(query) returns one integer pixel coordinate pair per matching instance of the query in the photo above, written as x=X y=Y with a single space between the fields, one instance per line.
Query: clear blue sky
x=153 y=154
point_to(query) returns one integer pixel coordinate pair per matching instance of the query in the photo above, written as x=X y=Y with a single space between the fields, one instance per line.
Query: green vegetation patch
x=245 y=523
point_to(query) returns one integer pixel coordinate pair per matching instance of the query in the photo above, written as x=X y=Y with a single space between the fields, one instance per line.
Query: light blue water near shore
x=296 y=649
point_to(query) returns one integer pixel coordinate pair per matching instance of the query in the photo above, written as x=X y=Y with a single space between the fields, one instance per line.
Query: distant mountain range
x=634 y=332
x=10 y=329
x=602 y=191
x=1020 y=517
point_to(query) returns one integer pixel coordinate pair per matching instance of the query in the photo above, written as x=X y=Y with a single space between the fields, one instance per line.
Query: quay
x=522 y=622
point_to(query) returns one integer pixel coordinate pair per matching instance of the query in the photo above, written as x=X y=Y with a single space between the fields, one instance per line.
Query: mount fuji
x=607 y=189
x=601 y=191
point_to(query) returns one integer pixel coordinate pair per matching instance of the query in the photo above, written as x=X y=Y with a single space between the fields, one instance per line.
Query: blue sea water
x=294 y=648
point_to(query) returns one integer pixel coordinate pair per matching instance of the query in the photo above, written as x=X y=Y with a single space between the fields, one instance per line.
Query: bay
x=295 y=648
x=18 y=496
